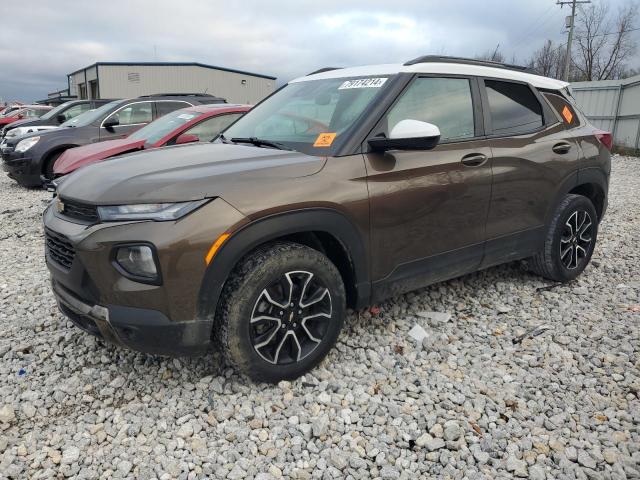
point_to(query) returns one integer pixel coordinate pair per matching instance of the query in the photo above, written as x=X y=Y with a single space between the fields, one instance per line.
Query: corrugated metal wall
x=124 y=81
x=613 y=105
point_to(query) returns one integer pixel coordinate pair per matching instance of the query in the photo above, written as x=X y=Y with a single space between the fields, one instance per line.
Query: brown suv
x=341 y=189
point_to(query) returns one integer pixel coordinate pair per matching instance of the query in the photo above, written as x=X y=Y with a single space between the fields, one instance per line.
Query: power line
x=573 y=4
x=535 y=25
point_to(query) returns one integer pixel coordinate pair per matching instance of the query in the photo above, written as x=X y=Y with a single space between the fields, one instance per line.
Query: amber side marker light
x=215 y=247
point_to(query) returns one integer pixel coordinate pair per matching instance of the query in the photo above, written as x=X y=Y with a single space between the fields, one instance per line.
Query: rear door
x=532 y=156
x=130 y=117
x=429 y=207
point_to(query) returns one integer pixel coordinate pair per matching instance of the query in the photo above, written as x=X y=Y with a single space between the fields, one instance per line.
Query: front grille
x=80 y=211
x=59 y=249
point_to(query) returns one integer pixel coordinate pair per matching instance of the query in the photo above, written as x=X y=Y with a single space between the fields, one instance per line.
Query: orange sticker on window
x=324 y=140
x=566 y=113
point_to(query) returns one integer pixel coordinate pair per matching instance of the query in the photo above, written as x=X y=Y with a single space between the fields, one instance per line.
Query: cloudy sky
x=43 y=40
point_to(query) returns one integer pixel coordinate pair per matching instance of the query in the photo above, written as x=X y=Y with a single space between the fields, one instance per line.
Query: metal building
x=125 y=79
x=614 y=106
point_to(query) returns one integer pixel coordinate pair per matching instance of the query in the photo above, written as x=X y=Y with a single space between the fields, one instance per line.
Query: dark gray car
x=28 y=158
x=57 y=116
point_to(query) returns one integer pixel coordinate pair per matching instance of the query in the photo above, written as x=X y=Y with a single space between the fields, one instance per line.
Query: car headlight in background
x=26 y=144
x=148 y=211
x=138 y=261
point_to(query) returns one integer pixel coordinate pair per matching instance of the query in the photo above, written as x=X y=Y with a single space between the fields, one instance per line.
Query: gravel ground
x=465 y=403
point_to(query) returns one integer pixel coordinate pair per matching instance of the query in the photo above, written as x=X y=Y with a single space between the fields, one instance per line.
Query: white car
x=19 y=131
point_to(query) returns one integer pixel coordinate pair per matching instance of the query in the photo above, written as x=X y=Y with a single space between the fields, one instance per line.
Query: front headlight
x=148 y=211
x=26 y=144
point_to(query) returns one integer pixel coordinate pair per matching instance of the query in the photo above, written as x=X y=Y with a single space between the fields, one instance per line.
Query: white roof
x=439 y=68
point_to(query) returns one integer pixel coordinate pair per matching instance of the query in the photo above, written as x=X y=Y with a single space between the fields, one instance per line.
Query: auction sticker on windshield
x=363 y=83
x=324 y=140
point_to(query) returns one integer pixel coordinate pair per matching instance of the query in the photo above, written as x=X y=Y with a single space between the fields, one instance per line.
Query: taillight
x=605 y=138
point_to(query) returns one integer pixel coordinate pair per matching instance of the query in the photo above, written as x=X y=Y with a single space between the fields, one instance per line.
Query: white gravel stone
x=469 y=404
x=7 y=414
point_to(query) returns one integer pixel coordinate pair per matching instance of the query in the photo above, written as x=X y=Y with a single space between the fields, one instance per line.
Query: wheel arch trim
x=272 y=227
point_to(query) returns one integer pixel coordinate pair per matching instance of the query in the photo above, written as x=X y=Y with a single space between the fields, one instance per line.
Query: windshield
x=309 y=116
x=54 y=112
x=91 y=116
x=166 y=124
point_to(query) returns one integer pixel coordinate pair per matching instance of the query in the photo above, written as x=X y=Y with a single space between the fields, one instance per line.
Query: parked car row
x=342 y=188
x=29 y=158
x=24 y=112
x=51 y=119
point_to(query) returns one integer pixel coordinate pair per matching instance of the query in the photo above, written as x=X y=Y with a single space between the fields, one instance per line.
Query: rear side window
x=513 y=107
x=166 y=107
x=444 y=102
x=564 y=109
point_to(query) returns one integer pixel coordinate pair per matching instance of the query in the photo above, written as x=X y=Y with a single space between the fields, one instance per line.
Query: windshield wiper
x=222 y=138
x=260 y=142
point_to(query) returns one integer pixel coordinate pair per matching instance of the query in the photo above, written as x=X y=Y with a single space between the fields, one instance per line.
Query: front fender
x=263 y=230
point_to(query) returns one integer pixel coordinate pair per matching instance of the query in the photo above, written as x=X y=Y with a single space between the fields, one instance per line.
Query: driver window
x=209 y=129
x=444 y=102
x=135 y=113
x=75 y=111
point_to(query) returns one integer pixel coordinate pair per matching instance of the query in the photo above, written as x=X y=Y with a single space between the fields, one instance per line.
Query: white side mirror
x=413 y=129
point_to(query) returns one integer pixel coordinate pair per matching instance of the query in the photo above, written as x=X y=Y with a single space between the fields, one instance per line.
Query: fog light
x=138 y=261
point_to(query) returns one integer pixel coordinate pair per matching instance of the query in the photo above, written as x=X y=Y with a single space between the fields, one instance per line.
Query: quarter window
x=444 y=102
x=513 y=107
x=564 y=109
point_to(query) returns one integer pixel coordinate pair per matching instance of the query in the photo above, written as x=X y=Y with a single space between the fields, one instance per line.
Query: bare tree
x=604 y=42
x=494 y=55
x=548 y=60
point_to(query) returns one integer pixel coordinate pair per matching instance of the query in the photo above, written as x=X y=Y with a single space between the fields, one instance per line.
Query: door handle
x=561 y=148
x=474 y=159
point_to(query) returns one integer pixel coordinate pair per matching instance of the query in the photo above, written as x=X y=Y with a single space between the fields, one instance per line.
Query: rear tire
x=280 y=312
x=569 y=242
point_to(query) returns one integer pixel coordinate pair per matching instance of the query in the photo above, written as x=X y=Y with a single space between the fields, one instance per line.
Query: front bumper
x=20 y=168
x=97 y=297
x=143 y=330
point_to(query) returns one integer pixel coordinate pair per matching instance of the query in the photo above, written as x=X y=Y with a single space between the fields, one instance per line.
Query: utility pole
x=567 y=60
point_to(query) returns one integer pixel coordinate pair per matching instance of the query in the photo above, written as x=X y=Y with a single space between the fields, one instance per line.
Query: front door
x=429 y=208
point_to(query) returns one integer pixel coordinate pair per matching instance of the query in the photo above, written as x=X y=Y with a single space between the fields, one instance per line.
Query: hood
x=183 y=173
x=53 y=134
x=26 y=130
x=75 y=158
x=25 y=122
x=7 y=120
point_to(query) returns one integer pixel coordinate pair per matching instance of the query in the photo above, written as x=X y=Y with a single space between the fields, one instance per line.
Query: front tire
x=280 y=312
x=570 y=240
x=49 y=163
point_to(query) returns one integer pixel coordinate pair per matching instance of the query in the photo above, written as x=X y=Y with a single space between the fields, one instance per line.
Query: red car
x=201 y=123
x=24 y=112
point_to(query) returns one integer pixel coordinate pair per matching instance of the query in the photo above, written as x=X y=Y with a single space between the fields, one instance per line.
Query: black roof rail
x=178 y=95
x=466 y=61
x=321 y=70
